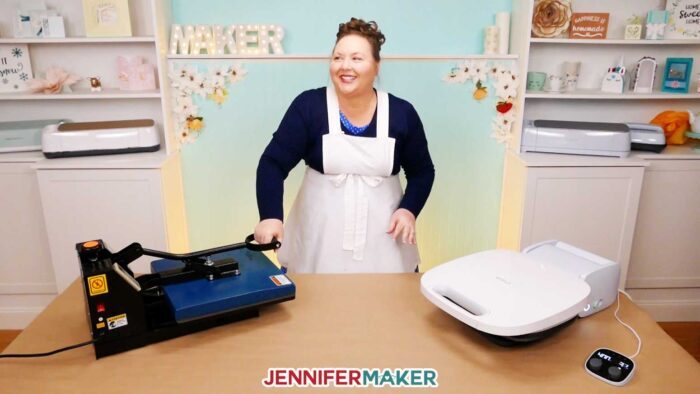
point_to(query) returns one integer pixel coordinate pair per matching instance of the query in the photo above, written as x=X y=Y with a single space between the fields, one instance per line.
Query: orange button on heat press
x=90 y=244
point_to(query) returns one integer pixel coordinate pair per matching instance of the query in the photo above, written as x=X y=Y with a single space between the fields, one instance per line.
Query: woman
x=350 y=214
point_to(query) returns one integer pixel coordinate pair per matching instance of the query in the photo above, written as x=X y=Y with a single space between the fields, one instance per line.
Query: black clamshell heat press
x=185 y=293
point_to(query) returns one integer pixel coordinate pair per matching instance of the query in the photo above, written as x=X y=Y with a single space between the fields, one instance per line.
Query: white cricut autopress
x=515 y=298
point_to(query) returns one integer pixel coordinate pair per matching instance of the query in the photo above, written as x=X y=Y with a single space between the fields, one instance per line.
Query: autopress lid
x=505 y=293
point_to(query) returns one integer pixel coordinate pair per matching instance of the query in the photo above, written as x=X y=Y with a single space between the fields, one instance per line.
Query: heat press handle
x=275 y=244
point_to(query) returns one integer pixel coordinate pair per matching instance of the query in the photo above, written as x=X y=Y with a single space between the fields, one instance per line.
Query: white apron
x=339 y=219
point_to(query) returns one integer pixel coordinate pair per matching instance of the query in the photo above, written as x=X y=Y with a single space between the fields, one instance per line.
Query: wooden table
x=354 y=321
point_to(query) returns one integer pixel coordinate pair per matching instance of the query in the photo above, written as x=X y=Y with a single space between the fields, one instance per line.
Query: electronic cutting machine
x=184 y=293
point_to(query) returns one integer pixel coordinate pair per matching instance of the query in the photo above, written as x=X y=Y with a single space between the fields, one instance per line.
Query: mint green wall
x=461 y=216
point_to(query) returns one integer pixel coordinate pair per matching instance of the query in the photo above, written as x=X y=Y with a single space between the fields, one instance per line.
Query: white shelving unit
x=118 y=198
x=83 y=94
x=569 y=41
x=618 y=208
x=76 y=40
x=548 y=54
x=598 y=95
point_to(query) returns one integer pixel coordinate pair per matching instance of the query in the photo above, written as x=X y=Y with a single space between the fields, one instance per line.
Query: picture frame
x=677 y=72
x=107 y=18
x=644 y=73
x=683 y=19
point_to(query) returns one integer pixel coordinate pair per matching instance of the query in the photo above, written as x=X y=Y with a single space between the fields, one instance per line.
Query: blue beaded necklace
x=351 y=127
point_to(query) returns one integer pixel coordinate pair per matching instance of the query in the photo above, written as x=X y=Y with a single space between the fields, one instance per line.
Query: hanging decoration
x=504 y=83
x=187 y=82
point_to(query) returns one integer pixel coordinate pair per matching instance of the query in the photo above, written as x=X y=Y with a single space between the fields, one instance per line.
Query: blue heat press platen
x=201 y=297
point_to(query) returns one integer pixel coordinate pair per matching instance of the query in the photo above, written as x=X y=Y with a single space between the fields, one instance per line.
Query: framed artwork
x=683 y=19
x=107 y=18
x=677 y=74
x=15 y=68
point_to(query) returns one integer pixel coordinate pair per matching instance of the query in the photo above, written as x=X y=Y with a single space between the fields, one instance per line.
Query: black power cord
x=28 y=355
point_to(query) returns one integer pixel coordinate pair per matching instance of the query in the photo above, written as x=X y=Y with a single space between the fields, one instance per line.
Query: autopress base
x=516 y=298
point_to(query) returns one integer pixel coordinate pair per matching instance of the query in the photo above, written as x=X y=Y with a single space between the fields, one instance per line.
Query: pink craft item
x=134 y=74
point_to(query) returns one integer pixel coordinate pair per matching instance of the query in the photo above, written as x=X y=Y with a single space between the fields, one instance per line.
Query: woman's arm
x=417 y=164
x=282 y=154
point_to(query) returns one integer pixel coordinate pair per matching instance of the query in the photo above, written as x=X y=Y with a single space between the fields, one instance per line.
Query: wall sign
x=684 y=19
x=15 y=68
x=589 y=25
x=220 y=40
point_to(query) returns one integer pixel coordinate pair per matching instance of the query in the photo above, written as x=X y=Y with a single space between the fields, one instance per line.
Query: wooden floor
x=687 y=334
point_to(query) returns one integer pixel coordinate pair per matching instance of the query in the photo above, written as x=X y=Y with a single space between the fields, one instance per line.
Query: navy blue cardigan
x=299 y=136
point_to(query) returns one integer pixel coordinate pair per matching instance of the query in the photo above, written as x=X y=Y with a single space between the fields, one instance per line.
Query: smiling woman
x=351 y=214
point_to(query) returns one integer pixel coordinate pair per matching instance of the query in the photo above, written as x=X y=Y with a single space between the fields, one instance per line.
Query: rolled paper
x=491 y=34
x=503 y=24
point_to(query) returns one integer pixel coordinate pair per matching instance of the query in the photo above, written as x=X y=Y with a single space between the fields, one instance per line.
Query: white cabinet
x=664 y=275
x=27 y=282
x=119 y=199
x=590 y=203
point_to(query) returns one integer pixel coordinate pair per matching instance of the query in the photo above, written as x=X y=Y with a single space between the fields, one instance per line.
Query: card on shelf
x=107 y=18
x=15 y=68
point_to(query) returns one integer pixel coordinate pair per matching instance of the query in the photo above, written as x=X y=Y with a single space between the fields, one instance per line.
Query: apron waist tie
x=356 y=204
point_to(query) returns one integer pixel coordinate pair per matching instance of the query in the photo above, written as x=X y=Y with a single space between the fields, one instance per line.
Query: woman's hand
x=268 y=229
x=403 y=224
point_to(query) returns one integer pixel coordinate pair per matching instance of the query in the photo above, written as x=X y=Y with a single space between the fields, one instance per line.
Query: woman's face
x=353 y=68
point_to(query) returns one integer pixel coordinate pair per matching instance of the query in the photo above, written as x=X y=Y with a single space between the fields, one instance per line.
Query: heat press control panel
x=610 y=367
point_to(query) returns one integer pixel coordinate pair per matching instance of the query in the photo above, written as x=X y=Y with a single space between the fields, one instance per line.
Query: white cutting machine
x=515 y=298
x=99 y=138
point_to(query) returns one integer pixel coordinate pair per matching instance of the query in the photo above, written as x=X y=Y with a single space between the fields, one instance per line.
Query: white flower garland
x=188 y=81
x=505 y=83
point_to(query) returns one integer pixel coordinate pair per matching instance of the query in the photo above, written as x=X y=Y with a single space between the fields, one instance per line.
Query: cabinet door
x=118 y=206
x=26 y=275
x=666 y=251
x=593 y=208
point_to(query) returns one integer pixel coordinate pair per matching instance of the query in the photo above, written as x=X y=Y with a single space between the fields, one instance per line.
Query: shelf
x=569 y=41
x=326 y=57
x=83 y=95
x=144 y=160
x=21 y=157
x=598 y=95
x=535 y=159
x=671 y=152
x=76 y=40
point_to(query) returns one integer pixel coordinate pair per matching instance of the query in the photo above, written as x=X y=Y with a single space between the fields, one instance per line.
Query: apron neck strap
x=382 y=114
x=334 y=113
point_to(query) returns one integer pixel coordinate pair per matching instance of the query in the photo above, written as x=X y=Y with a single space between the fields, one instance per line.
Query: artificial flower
x=481 y=69
x=453 y=76
x=56 y=81
x=236 y=73
x=551 y=18
x=219 y=95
